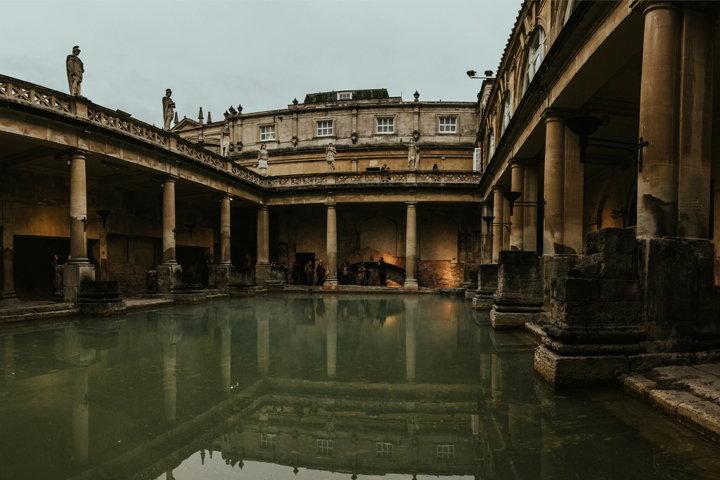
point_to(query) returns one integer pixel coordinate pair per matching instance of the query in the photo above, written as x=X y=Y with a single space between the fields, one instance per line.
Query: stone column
x=79 y=268
x=517 y=217
x=8 y=291
x=410 y=337
x=498 y=230
x=222 y=276
x=332 y=282
x=169 y=270
x=554 y=184
x=262 y=267
x=102 y=267
x=486 y=237
x=573 y=203
x=331 y=306
x=411 y=282
x=530 y=216
x=657 y=203
x=506 y=221
x=696 y=114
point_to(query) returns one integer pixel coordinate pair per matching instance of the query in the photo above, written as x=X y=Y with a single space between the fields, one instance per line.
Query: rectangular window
x=325 y=447
x=385 y=125
x=448 y=125
x=325 y=128
x=267 y=440
x=384 y=450
x=267 y=133
x=344 y=96
x=446 y=452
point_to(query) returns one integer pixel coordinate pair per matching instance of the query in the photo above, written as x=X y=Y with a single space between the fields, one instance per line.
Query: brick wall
x=440 y=274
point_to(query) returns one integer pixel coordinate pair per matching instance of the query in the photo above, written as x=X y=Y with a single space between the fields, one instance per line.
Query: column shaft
x=332 y=265
x=411 y=247
x=554 y=186
x=78 y=208
x=531 y=211
x=573 y=233
x=498 y=230
x=8 y=250
x=506 y=221
x=517 y=217
x=657 y=203
x=225 y=230
x=263 y=235
x=486 y=239
x=169 y=221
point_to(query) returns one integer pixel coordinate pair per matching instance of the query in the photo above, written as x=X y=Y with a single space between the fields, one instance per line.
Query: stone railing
x=18 y=91
x=374 y=179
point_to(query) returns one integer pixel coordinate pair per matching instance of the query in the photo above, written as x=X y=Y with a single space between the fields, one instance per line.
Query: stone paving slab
x=18 y=311
x=688 y=394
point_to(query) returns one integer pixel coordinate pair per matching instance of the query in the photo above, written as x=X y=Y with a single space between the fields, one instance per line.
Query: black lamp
x=103 y=216
x=585 y=125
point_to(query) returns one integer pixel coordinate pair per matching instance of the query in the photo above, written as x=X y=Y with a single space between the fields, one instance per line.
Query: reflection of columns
x=659 y=106
x=78 y=208
x=411 y=248
x=486 y=238
x=168 y=221
x=225 y=356
x=263 y=235
x=225 y=230
x=170 y=380
x=331 y=306
x=8 y=290
x=498 y=230
x=263 y=345
x=517 y=217
x=331 y=282
x=554 y=185
x=9 y=342
x=80 y=414
x=410 y=337
x=531 y=211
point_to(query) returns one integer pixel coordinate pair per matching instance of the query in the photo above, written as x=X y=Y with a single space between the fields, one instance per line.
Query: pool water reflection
x=314 y=387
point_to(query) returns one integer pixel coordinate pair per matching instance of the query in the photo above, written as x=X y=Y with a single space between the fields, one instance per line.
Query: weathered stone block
x=100 y=298
x=574 y=371
x=607 y=265
x=488 y=278
x=507 y=320
x=611 y=240
x=575 y=289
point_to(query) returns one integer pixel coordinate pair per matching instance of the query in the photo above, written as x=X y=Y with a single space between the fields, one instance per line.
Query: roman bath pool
x=285 y=386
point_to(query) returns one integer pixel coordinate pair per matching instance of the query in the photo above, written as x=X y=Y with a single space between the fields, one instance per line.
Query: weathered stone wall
x=440 y=274
x=131 y=278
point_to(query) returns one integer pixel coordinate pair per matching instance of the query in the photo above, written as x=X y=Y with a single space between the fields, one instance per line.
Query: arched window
x=491 y=146
x=538 y=47
x=507 y=110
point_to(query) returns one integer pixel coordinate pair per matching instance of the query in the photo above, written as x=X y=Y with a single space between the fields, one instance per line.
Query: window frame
x=378 y=119
x=331 y=127
x=261 y=133
x=445 y=452
x=384 y=450
x=325 y=447
x=455 y=123
x=537 y=49
x=268 y=441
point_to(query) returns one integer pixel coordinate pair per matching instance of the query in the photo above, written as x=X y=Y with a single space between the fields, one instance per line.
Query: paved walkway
x=690 y=395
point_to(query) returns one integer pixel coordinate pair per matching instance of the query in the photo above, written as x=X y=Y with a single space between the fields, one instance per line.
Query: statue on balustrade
x=263 y=159
x=330 y=153
x=168 y=109
x=413 y=155
x=75 y=71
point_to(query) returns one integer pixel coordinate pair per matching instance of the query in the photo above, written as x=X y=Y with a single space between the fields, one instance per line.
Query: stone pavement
x=689 y=394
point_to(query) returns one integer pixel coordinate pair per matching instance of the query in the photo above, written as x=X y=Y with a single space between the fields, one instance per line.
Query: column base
x=330 y=284
x=411 y=285
x=222 y=276
x=8 y=298
x=168 y=276
x=555 y=267
x=470 y=294
x=74 y=274
x=578 y=371
x=262 y=273
x=483 y=302
x=507 y=320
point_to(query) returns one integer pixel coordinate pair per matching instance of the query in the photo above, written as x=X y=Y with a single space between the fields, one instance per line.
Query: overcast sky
x=262 y=54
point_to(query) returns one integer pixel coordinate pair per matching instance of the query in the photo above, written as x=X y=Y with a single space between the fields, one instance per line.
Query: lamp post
x=473 y=74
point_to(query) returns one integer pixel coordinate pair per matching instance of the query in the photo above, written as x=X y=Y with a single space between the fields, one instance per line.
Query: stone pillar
x=517 y=218
x=410 y=337
x=101 y=271
x=411 y=282
x=8 y=291
x=79 y=268
x=169 y=271
x=487 y=286
x=530 y=217
x=331 y=307
x=262 y=267
x=573 y=202
x=698 y=40
x=554 y=184
x=498 y=230
x=486 y=236
x=518 y=299
x=332 y=282
x=222 y=277
x=657 y=203
x=506 y=221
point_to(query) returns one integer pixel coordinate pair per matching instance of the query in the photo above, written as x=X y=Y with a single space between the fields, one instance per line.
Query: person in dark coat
x=382 y=272
x=295 y=272
x=308 y=273
x=320 y=272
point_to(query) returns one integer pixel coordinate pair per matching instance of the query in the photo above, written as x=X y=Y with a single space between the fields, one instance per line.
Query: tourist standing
x=295 y=273
x=345 y=274
x=382 y=272
x=320 y=272
x=361 y=274
x=308 y=273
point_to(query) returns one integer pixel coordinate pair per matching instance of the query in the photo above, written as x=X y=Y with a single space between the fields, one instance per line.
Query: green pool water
x=314 y=387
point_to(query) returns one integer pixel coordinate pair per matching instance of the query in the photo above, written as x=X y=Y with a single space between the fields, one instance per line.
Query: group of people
x=304 y=275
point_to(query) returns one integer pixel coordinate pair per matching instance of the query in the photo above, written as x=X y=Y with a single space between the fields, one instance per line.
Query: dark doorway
x=302 y=259
x=33 y=265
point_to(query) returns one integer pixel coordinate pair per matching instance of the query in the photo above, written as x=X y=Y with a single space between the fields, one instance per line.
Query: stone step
x=19 y=310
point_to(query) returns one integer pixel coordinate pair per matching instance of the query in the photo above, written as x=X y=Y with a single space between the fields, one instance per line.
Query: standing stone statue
x=263 y=159
x=413 y=155
x=168 y=109
x=75 y=71
x=330 y=153
x=225 y=137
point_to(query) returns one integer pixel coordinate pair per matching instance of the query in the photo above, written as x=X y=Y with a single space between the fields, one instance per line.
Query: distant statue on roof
x=263 y=159
x=168 y=109
x=413 y=155
x=330 y=153
x=225 y=136
x=75 y=71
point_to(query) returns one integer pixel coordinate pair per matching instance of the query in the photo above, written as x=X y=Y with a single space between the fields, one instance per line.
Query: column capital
x=330 y=206
x=262 y=208
x=78 y=154
x=170 y=178
x=411 y=203
x=646 y=6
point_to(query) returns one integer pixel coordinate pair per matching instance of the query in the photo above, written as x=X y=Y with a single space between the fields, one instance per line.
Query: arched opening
x=380 y=234
x=536 y=54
